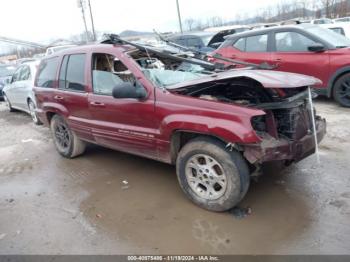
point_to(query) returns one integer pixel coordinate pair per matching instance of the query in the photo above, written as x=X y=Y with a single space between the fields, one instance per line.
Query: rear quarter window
x=47 y=72
x=240 y=44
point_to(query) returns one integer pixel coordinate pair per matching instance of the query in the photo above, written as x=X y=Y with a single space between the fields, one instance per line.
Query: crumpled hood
x=268 y=78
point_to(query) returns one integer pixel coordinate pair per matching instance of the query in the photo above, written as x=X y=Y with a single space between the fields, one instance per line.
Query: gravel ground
x=108 y=202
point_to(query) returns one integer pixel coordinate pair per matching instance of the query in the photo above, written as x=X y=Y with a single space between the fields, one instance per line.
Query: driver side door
x=124 y=124
x=291 y=54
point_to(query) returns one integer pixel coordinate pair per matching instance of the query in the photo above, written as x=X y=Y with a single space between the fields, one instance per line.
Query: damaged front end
x=286 y=131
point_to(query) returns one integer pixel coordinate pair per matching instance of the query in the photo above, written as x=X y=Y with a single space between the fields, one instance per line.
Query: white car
x=343 y=19
x=321 y=21
x=54 y=49
x=342 y=28
x=18 y=94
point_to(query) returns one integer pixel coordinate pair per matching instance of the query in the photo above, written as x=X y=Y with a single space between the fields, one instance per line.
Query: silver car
x=18 y=94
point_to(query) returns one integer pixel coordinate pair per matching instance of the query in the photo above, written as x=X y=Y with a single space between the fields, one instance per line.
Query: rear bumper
x=271 y=149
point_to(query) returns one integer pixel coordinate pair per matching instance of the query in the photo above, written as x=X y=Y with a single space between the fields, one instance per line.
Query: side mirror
x=316 y=48
x=128 y=90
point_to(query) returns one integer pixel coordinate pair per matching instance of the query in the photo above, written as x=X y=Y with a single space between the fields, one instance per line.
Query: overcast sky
x=44 y=20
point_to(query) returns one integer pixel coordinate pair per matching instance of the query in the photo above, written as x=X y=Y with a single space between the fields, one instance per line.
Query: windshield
x=329 y=36
x=6 y=70
x=164 y=78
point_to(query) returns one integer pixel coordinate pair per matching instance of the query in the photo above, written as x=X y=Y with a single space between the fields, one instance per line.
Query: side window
x=25 y=73
x=75 y=73
x=256 y=43
x=47 y=72
x=240 y=44
x=292 y=42
x=16 y=75
x=108 y=72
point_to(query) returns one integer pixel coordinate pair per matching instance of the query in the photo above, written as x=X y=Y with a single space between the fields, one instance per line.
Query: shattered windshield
x=165 y=70
x=163 y=77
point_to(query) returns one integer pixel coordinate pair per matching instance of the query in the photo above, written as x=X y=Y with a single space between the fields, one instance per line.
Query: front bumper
x=271 y=149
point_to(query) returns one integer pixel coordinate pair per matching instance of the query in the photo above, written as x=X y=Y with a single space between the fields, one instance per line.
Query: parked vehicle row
x=216 y=122
x=217 y=128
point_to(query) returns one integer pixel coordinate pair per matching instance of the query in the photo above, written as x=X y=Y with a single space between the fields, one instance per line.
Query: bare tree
x=328 y=5
x=189 y=22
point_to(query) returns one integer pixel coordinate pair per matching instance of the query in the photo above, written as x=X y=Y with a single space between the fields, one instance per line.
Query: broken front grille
x=293 y=123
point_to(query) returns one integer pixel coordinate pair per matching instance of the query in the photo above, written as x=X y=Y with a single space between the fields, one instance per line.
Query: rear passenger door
x=254 y=49
x=71 y=94
x=125 y=124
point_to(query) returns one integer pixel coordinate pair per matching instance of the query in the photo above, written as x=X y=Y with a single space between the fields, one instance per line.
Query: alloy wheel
x=31 y=107
x=343 y=92
x=206 y=177
x=62 y=136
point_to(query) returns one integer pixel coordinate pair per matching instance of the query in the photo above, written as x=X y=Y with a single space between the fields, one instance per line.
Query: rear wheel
x=8 y=103
x=211 y=176
x=341 y=90
x=66 y=141
x=31 y=107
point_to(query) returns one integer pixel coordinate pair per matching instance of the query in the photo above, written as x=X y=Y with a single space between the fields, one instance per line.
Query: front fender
x=227 y=130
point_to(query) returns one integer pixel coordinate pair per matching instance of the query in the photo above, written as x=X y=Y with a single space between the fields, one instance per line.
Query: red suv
x=305 y=49
x=218 y=128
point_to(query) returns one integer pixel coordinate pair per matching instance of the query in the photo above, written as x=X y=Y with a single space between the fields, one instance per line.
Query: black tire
x=66 y=141
x=33 y=115
x=8 y=103
x=233 y=166
x=341 y=90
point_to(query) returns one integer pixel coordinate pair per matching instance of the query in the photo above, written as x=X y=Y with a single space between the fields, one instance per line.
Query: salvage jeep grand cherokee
x=217 y=127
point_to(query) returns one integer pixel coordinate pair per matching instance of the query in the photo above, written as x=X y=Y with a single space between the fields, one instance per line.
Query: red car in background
x=305 y=49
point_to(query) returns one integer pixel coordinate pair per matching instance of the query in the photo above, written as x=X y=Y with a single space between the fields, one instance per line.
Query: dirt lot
x=51 y=205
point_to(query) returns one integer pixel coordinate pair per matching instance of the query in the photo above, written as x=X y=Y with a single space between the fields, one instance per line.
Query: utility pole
x=92 y=21
x=81 y=5
x=179 y=15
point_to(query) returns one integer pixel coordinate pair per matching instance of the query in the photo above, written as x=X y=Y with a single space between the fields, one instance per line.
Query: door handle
x=278 y=60
x=97 y=104
x=60 y=98
x=233 y=56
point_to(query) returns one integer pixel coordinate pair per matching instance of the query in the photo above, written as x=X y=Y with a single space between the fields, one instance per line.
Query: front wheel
x=211 y=176
x=8 y=103
x=66 y=141
x=341 y=90
x=31 y=107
